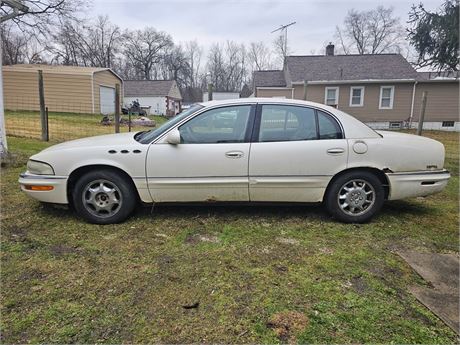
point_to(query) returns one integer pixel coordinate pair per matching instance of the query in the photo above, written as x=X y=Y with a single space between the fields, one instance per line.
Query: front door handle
x=234 y=154
x=336 y=151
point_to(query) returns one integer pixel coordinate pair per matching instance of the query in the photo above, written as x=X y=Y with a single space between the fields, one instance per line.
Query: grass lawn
x=64 y=126
x=218 y=274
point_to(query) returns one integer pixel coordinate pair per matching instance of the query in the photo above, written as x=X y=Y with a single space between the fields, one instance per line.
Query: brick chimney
x=330 y=49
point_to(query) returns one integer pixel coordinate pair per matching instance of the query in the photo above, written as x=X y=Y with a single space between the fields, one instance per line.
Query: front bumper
x=58 y=195
x=417 y=183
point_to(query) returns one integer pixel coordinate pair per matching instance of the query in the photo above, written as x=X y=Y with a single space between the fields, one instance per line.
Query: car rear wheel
x=104 y=197
x=355 y=197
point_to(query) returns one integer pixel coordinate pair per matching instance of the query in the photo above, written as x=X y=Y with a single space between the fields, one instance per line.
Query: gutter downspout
x=412 y=105
x=292 y=93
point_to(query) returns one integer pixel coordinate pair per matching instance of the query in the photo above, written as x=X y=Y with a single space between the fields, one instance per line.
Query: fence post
x=41 y=95
x=305 y=84
x=421 y=118
x=47 y=138
x=117 y=108
x=210 y=92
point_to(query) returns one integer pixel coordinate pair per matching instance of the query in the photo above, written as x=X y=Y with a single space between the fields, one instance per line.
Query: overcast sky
x=210 y=21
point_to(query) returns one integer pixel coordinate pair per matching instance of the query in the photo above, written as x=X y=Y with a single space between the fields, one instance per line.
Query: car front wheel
x=355 y=197
x=104 y=197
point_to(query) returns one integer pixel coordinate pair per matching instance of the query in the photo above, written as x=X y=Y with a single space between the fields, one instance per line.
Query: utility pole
x=17 y=8
x=284 y=30
x=421 y=118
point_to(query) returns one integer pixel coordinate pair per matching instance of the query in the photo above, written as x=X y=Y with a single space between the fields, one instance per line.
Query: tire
x=104 y=197
x=355 y=197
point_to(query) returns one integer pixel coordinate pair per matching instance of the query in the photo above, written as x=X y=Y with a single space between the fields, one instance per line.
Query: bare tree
x=235 y=66
x=259 y=56
x=216 y=66
x=371 y=32
x=177 y=65
x=103 y=41
x=14 y=45
x=94 y=43
x=43 y=14
x=194 y=54
x=227 y=66
x=145 y=48
x=281 y=49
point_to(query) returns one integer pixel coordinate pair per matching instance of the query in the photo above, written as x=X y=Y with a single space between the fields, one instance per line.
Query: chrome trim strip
x=43 y=177
x=243 y=176
x=423 y=172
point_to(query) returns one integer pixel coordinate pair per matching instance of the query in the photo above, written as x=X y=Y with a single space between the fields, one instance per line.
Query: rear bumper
x=417 y=183
x=58 y=195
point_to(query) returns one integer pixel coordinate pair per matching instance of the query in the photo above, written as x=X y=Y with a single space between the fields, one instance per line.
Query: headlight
x=39 y=168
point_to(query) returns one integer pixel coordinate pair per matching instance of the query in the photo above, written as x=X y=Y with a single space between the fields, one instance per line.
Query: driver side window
x=222 y=125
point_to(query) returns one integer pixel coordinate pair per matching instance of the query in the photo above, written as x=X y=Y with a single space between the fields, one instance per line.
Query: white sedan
x=246 y=150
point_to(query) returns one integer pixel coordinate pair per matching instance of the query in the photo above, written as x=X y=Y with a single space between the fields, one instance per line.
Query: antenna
x=285 y=28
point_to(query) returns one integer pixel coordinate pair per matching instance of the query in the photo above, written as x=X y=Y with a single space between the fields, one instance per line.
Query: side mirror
x=173 y=137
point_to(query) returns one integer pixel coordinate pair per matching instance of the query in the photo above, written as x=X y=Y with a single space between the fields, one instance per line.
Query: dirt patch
x=281 y=268
x=164 y=261
x=286 y=240
x=198 y=238
x=31 y=274
x=287 y=325
x=359 y=284
x=61 y=250
x=18 y=234
x=326 y=251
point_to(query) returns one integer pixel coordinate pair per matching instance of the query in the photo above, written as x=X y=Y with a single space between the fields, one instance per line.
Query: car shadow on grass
x=314 y=212
x=406 y=207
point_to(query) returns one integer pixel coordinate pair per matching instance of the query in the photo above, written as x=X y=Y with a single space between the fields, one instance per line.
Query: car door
x=210 y=163
x=295 y=152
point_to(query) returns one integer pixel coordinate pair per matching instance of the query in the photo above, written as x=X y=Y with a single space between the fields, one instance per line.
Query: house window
x=395 y=124
x=331 y=96
x=386 y=97
x=356 y=96
x=448 y=123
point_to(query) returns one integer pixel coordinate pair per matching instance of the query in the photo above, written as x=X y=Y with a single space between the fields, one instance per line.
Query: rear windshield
x=148 y=136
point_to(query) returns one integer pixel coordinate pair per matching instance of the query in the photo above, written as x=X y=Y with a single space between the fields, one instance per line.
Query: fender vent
x=112 y=151
x=124 y=151
x=137 y=151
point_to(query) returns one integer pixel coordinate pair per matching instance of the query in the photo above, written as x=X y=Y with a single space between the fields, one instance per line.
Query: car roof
x=253 y=100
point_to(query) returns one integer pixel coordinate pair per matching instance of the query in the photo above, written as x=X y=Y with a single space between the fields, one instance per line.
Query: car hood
x=98 y=141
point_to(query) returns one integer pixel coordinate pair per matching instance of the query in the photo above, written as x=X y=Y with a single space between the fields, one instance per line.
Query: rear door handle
x=335 y=151
x=234 y=154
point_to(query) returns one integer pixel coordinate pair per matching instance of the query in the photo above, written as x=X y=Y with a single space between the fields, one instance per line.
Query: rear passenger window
x=328 y=127
x=287 y=123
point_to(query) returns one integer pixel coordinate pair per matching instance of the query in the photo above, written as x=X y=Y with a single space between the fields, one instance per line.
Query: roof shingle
x=442 y=75
x=349 y=67
x=147 y=88
x=269 y=78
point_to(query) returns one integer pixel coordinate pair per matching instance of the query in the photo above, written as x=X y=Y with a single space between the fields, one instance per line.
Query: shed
x=71 y=89
x=162 y=97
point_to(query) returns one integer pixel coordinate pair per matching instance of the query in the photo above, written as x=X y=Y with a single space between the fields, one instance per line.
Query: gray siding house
x=381 y=90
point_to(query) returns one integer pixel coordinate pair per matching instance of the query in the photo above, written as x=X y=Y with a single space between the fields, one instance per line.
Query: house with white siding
x=160 y=97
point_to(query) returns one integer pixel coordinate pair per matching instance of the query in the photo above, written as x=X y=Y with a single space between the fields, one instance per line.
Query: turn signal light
x=38 y=188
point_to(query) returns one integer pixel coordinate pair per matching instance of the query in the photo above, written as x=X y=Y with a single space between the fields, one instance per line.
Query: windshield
x=148 y=136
